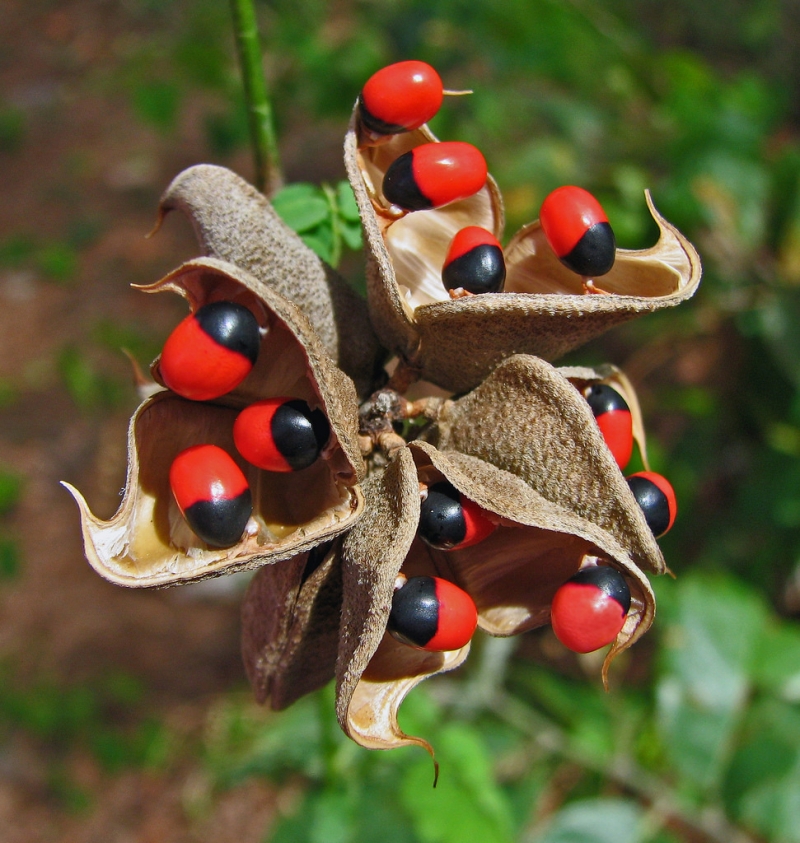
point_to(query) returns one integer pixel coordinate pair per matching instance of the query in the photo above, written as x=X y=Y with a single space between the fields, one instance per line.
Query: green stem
x=259 y=110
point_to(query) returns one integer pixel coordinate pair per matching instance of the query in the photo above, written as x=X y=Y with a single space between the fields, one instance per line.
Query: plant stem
x=268 y=177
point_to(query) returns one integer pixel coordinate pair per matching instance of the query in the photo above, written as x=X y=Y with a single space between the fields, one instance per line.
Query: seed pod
x=590 y=609
x=512 y=577
x=528 y=419
x=399 y=97
x=290 y=626
x=544 y=309
x=235 y=223
x=147 y=542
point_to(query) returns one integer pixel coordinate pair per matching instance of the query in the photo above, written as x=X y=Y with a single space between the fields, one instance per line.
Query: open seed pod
x=584 y=376
x=511 y=576
x=147 y=542
x=406 y=251
x=527 y=418
x=236 y=223
x=543 y=309
x=290 y=626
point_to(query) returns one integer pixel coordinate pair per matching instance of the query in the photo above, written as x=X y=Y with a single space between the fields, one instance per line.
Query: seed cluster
x=386 y=530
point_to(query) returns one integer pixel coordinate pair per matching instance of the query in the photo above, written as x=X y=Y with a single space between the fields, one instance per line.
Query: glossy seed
x=400 y=97
x=431 y=613
x=281 y=434
x=212 y=494
x=211 y=351
x=589 y=610
x=433 y=175
x=578 y=231
x=656 y=497
x=474 y=262
x=614 y=419
x=449 y=521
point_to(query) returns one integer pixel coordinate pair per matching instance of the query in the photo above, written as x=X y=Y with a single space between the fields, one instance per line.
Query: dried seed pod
x=544 y=309
x=511 y=576
x=236 y=223
x=405 y=253
x=147 y=542
x=290 y=626
x=527 y=418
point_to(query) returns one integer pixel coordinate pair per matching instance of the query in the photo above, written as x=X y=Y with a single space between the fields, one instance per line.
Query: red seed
x=474 y=262
x=578 y=231
x=656 y=497
x=211 y=351
x=589 y=610
x=434 y=174
x=212 y=493
x=400 y=97
x=430 y=613
x=280 y=434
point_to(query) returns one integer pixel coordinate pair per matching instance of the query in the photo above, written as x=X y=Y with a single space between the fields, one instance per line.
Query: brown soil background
x=85 y=156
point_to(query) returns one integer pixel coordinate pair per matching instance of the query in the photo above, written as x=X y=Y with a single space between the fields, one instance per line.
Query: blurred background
x=125 y=716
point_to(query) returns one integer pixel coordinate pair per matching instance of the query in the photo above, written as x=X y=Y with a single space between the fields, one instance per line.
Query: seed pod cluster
x=268 y=440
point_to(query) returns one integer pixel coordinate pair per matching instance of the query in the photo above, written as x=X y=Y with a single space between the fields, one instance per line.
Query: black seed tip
x=653 y=502
x=232 y=326
x=480 y=270
x=220 y=523
x=441 y=521
x=400 y=187
x=299 y=433
x=604 y=399
x=608 y=580
x=594 y=253
x=414 y=618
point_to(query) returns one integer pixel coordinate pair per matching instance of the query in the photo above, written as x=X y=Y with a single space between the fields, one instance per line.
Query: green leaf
x=351 y=234
x=321 y=241
x=301 y=206
x=708 y=665
x=467 y=804
x=596 y=821
x=778 y=663
x=346 y=200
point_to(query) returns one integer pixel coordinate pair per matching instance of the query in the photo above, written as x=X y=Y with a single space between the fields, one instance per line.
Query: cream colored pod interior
x=147 y=542
x=511 y=576
x=543 y=309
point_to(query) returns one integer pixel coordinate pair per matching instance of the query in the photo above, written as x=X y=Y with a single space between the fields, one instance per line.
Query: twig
x=268 y=176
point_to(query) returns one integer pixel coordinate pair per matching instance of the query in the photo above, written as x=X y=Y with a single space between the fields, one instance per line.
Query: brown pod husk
x=147 y=542
x=511 y=575
x=290 y=626
x=237 y=224
x=528 y=419
x=542 y=310
x=405 y=251
x=583 y=376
